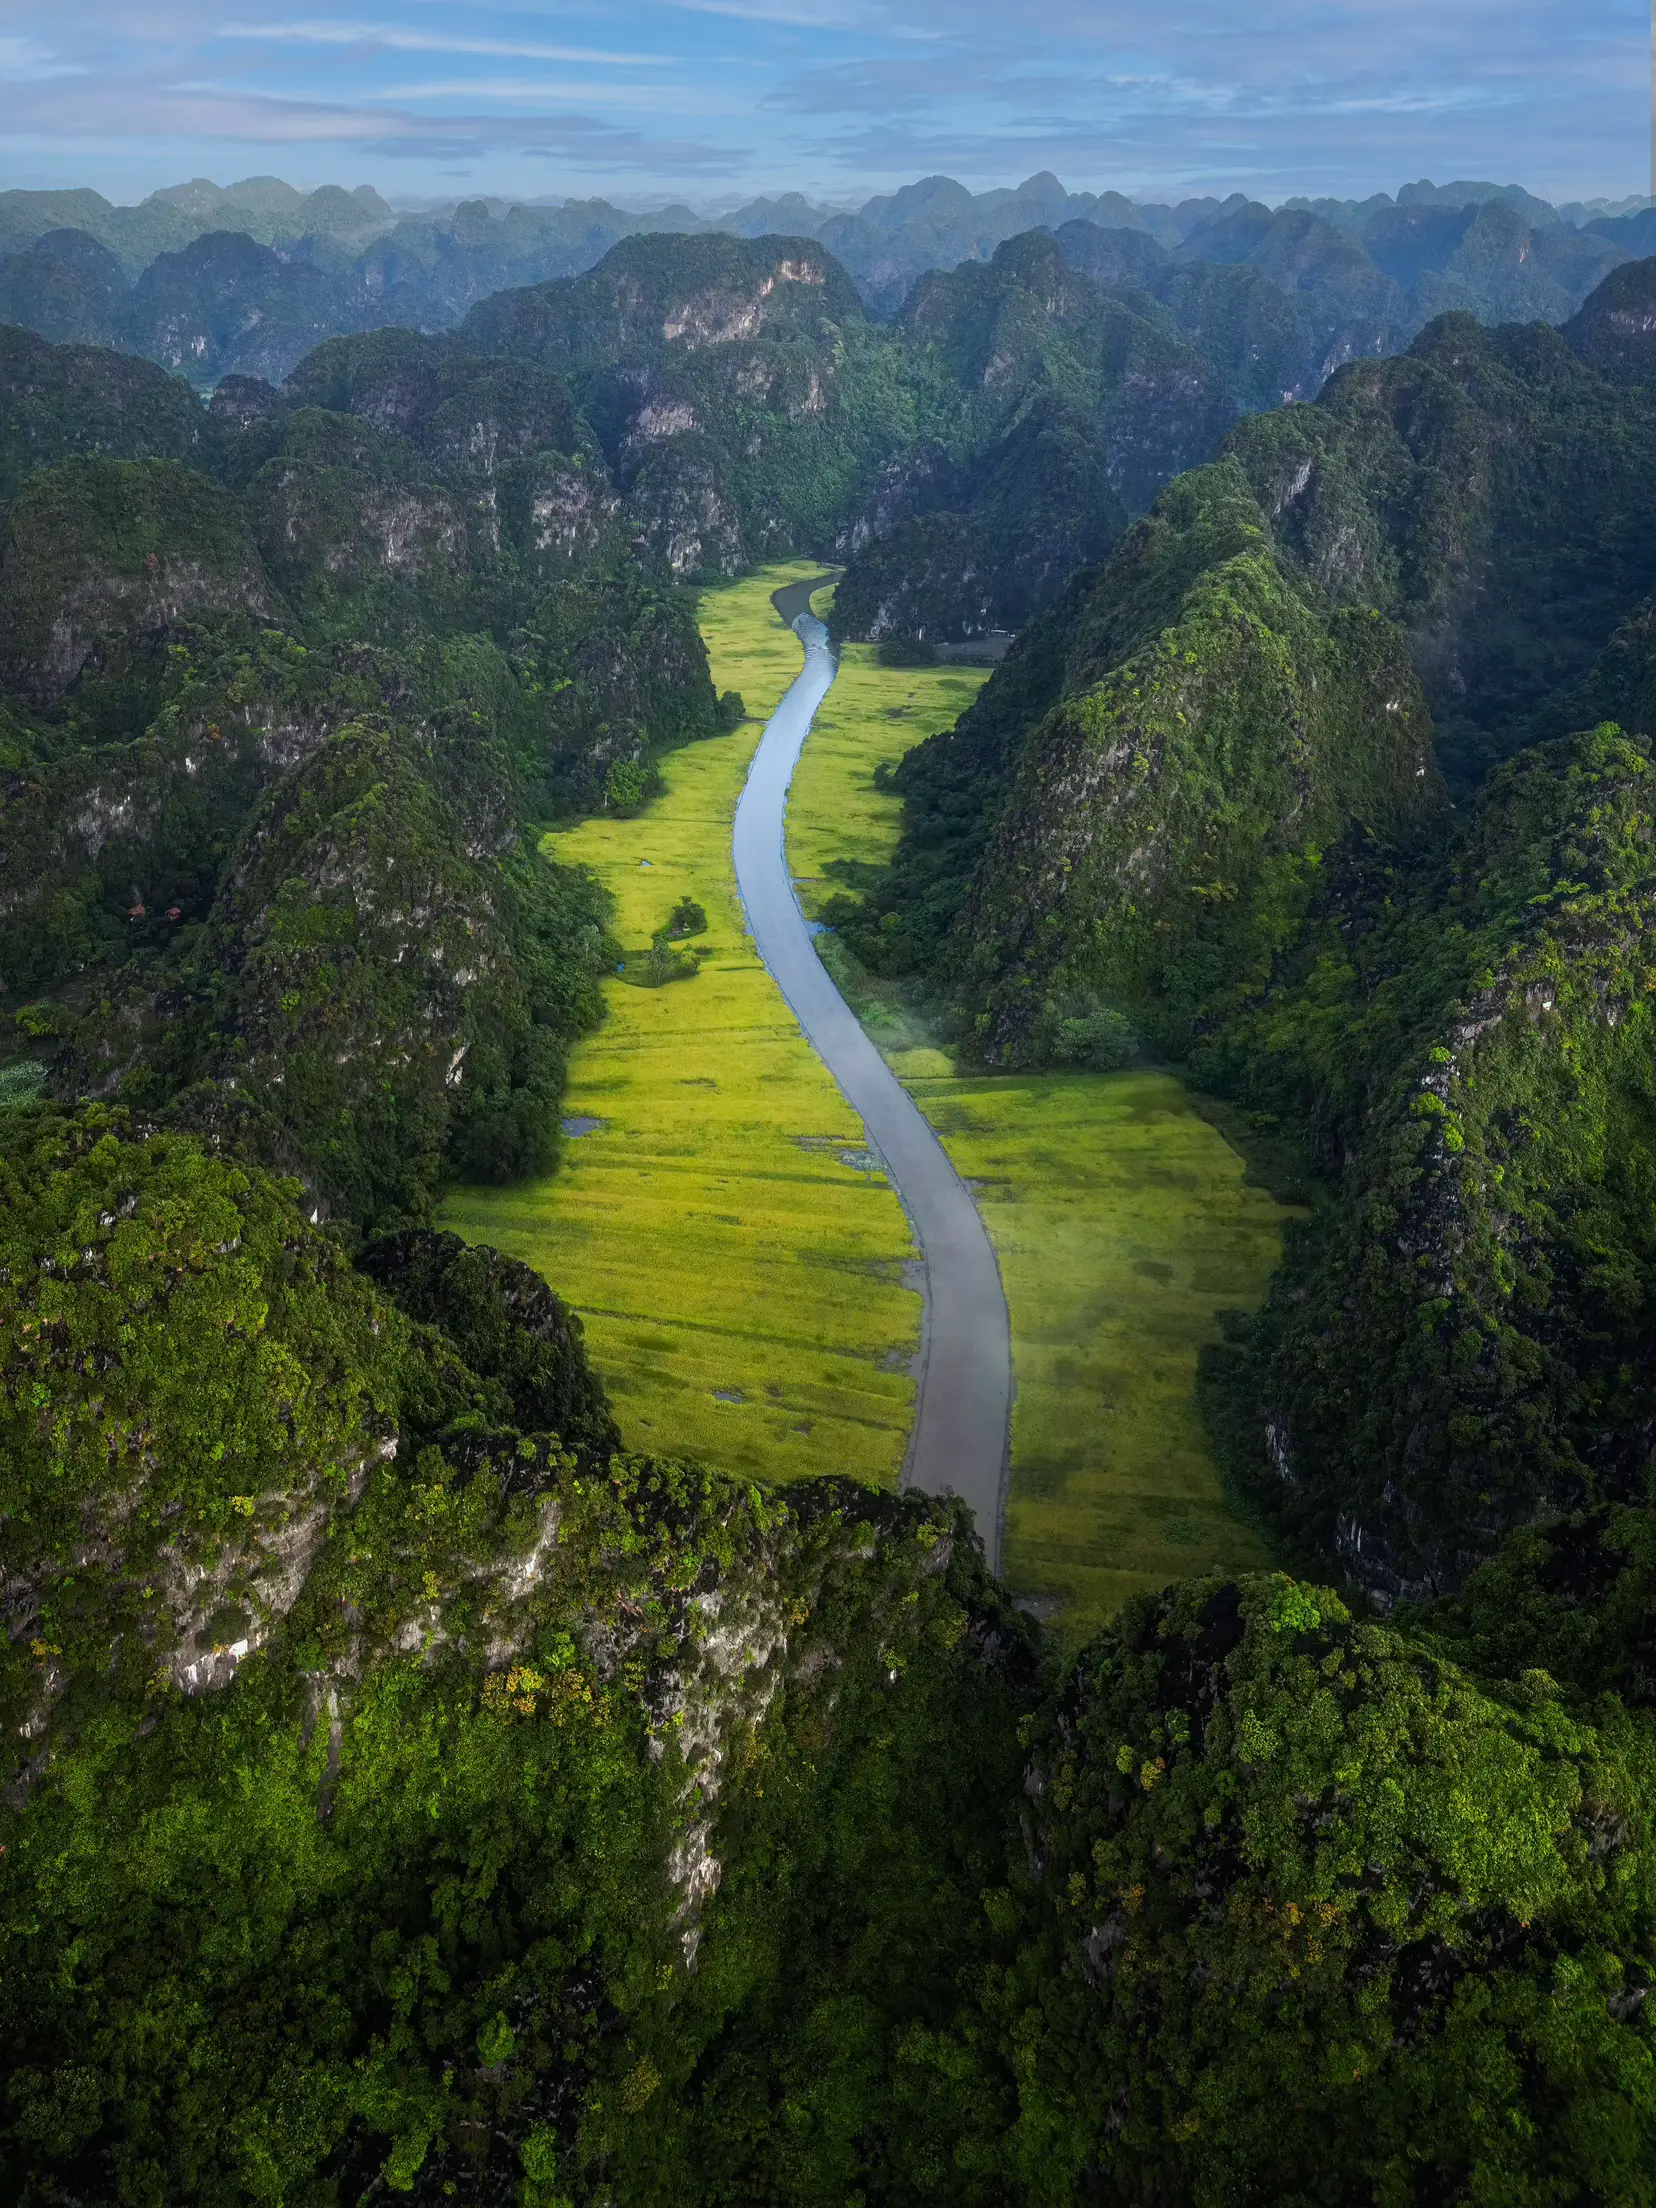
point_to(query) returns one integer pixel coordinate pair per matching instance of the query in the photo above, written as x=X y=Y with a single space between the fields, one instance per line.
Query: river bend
x=964 y=1401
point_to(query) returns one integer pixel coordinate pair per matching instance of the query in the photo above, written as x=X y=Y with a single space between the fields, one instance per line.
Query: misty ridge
x=247 y=278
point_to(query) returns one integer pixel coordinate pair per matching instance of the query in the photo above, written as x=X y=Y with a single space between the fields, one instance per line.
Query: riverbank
x=741 y=1269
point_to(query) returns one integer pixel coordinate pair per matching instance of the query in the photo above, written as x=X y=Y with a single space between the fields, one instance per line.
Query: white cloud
x=22 y=61
x=396 y=38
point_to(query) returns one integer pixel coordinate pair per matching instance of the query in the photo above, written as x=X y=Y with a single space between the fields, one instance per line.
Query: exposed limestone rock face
x=296 y=1620
x=741 y=396
x=103 y=560
x=691 y=294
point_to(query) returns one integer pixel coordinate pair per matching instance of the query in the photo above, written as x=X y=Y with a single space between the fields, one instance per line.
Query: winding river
x=962 y=1415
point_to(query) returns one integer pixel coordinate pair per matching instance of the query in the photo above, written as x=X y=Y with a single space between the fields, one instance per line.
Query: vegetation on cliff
x=260 y=869
x=451 y=1813
x=1200 y=802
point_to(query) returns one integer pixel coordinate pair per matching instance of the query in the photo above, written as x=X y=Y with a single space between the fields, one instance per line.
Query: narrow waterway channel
x=963 y=1410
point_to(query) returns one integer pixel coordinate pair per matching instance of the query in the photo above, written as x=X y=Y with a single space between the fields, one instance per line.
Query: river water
x=962 y=1416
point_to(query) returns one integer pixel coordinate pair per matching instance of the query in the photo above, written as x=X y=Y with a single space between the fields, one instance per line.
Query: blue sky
x=710 y=100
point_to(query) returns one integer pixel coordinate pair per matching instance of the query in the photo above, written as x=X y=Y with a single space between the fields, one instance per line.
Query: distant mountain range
x=247 y=278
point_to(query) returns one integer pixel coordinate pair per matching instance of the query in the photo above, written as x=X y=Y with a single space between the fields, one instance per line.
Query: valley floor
x=739 y=1267
x=741 y=1271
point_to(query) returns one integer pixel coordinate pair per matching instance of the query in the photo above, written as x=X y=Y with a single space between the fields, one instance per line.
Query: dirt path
x=965 y=1386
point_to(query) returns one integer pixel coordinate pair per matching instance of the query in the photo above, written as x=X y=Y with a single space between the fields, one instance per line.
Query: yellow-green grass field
x=742 y=1284
x=873 y=714
x=1122 y=1220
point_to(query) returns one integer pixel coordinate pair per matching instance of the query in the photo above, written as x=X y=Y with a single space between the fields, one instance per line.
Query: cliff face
x=190 y=705
x=740 y=394
x=1065 y=412
x=478 y=1796
x=1458 y=1351
x=1200 y=802
x=1158 y=837
x=1488 y=492
x=102 y=559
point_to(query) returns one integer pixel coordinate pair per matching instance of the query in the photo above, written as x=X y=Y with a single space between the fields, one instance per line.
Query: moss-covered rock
x=471 y=1821
x=101 y=561
x=1320 y=1918
x=389 y=980
x=64 y=402
x=1458 y=1349
x=1159 y=839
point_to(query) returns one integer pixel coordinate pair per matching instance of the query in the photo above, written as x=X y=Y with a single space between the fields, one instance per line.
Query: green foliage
x=1295 y=1863
x=507 y=1327
x=1456 y=1350
x=389 y=983
x=1183 y=798
x=1063 y=412
x=405 y=1791
x=176 y=749
x=67 y=402
x=100 y=561
x=905 y=651
x=624 y=786
x=737 y=388
x=21 y=1082
x=188 y=1373
x=374 y=1858
x=1076 y=1032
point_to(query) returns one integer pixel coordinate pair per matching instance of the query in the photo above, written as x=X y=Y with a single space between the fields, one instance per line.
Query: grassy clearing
x=742 y=1284
x=1121 y=1218
x=838 y=821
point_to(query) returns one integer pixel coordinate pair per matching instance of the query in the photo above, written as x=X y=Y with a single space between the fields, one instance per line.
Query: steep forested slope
x=405 y=1792
x=1461 y=1346
x=1200 y=803
x=280 y=711
x=455 y=1810
x=1061 y=412
x=741 y=395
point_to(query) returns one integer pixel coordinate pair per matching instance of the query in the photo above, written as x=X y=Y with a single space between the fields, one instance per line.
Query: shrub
x=1072 y=1032
x=624 y=786
x=906 y=651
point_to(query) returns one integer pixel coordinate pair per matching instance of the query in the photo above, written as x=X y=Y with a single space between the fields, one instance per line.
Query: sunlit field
x=738 y=1265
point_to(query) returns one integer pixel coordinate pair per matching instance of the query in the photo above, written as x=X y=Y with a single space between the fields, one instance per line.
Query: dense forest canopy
x=406 y=1790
